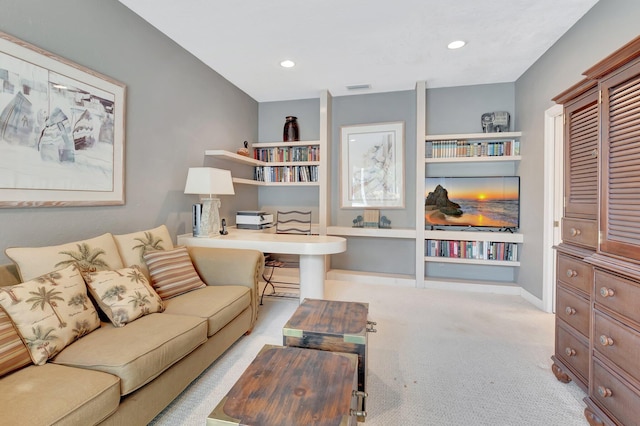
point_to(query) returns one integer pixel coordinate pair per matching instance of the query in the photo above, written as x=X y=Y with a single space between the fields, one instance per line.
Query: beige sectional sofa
x=127 y=375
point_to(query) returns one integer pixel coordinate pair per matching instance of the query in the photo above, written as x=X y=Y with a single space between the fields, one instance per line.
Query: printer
x=253 y=219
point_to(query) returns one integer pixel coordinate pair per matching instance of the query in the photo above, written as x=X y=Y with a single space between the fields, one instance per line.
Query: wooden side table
x=292 y=386
x=333 y=326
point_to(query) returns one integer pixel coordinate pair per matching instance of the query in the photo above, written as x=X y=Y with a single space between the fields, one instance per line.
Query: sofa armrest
x=220 y=266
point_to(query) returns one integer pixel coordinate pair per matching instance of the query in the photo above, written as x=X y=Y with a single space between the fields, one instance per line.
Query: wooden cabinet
x=599 y=259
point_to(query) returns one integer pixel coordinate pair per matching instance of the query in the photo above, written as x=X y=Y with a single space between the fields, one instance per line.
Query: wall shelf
x=459 y=260
x=474 y=136
x=503 y=237
x=406 y=233
x=473 y=159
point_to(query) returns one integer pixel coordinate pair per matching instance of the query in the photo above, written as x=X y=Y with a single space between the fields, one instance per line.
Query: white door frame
x=553 y=200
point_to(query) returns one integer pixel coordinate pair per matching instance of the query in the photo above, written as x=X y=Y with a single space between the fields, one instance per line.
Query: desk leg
x=312 y=274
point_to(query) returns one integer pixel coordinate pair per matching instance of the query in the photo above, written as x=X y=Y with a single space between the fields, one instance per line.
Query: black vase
x=291 y=132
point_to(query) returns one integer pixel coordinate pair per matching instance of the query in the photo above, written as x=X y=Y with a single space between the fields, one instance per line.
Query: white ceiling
x=337 y=43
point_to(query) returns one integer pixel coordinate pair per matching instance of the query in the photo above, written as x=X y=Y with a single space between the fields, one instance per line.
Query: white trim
x=532 y=299
x=550 y=184
x=398 y=280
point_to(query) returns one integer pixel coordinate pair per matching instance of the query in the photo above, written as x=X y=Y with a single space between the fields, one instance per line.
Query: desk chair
x=287 y=222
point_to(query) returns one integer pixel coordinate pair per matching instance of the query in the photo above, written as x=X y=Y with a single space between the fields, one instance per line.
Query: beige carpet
x=439 y=358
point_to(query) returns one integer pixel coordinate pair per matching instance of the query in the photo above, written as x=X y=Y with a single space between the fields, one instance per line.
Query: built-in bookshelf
x=498 y=251
x=279 y=163
x=473 y=147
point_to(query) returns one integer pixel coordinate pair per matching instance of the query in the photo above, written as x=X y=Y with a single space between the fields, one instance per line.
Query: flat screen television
x=483 y=201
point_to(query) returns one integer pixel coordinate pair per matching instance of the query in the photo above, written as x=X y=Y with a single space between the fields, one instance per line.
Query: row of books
x=482 y=250
x=286 y=173
x=287 y=153
x=463 y=148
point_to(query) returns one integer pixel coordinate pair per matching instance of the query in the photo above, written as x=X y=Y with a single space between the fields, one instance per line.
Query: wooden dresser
x=598 y=262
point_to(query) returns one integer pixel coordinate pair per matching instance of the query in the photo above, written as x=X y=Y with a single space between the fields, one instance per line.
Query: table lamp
x=209 y=182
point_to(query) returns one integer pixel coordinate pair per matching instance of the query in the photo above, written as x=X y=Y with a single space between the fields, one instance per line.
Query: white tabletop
x=268 y=241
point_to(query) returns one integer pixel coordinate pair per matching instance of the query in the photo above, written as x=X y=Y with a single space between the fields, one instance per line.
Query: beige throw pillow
x=94 y=254
x=172 y=272
x=133 y=246
x=13 y=352
x=123 y=295
x=50 y=312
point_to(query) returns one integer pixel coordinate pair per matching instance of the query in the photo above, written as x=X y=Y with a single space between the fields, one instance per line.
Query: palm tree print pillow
x=124 y=295
x=134 y=246
x=94 y=254
x=50 y=312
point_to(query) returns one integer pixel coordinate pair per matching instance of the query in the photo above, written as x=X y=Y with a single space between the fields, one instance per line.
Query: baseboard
x=472 y=287
x=371 y=278
x=538 y=303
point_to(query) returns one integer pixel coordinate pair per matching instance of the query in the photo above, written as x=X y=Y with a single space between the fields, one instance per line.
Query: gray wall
x=606 y=27
x=176 y=108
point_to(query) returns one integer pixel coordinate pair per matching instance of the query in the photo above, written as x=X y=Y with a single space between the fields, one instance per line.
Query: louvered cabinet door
x=581 y=156
x=620 y=163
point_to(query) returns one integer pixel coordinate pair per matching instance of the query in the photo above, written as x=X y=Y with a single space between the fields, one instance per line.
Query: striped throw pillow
x=13 y=353
x=172 y=272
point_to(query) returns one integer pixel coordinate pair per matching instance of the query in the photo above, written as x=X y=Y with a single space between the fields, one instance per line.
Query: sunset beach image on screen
x=480 y=201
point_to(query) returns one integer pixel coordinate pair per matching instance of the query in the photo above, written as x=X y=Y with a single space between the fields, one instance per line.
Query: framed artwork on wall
x=372 y=166
x=61 y=131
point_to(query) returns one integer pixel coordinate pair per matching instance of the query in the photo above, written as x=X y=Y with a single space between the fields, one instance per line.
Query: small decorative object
x=371 y=218
x=494 y=122
x=358 y=222
x=291 y=132
x=385 y=223
x=244 y=151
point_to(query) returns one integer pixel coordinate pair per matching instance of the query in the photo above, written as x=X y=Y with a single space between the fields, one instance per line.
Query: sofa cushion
x=95 y=254
x=13 y=353
x=138 y=352
x=55 y=394
x=124 y=295
x=172 y=272
x=52 y=311
x=133 y=246
x=217 y=304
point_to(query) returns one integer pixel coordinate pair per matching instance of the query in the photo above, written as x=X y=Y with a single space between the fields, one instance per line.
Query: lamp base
x=210 y=219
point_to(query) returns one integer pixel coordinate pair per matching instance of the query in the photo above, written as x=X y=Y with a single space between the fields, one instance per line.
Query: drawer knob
x=607 y=292
x=575 y=232
x=604 y=392
x=606 y=340
x=359 y=394
x=571 y=273
x=570 y=352
x=357 y=413
x=569 y=310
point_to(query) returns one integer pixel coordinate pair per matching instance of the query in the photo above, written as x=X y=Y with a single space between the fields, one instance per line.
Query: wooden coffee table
x=336 y=326
x=292 y=386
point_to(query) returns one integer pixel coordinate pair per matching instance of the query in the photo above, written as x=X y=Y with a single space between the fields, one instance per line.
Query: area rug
x=438 y=358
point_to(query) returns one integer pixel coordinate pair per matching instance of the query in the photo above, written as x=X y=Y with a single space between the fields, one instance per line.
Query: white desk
x=311 y=249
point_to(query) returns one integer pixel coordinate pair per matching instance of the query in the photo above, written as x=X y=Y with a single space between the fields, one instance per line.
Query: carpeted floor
x=439 y=358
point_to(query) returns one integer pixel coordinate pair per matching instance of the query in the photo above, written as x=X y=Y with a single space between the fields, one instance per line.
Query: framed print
x=61 y=131
x=372 y=165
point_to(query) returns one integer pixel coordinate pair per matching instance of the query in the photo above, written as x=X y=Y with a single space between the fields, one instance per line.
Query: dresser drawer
x=618 y=294
x=614 y=394
x=573 y=351
x=581 y=232
x=572 y=309
x=617 y=342
x=575 y=273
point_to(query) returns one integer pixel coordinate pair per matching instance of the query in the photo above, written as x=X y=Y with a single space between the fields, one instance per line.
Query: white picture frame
x=62 y=131
x=372 y=166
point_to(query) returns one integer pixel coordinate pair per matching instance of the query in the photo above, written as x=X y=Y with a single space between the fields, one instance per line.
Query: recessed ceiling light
x=287 y=64
x=456 y=44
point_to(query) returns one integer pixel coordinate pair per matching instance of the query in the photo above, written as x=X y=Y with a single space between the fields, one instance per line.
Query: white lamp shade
x=207 y=180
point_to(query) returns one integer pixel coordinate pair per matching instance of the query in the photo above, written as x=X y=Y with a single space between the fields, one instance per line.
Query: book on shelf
x=481 y=250
x=286 y=173
x=287 y=154
x=456 y=148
